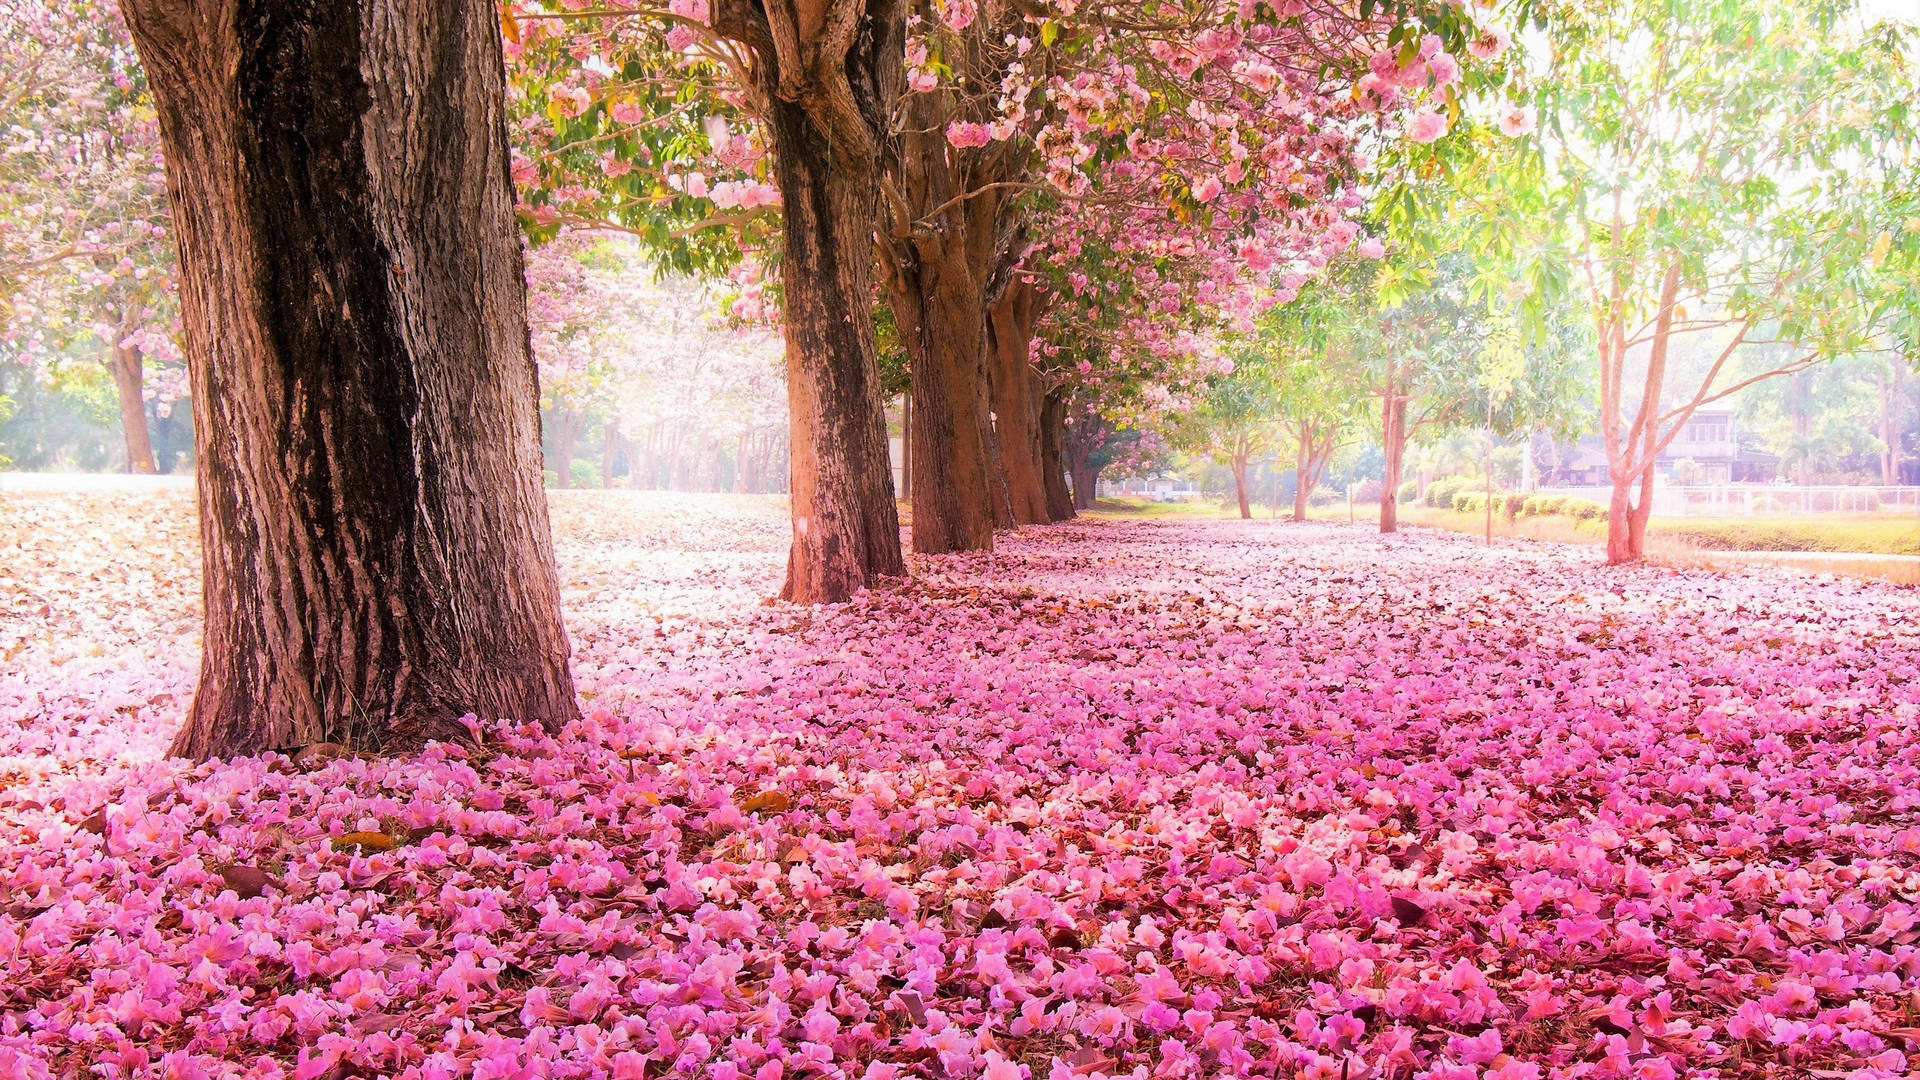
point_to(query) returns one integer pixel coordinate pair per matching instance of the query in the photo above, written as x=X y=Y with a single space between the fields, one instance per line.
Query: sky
x=1908 y=10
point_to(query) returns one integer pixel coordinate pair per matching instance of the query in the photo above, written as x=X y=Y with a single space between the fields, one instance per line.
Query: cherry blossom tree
x=86 y=264
x=1206 y=112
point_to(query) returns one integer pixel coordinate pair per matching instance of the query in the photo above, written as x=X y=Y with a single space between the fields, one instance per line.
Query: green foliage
x=1757 y=160
x=585 y=165
x=1555 y=506
x=1440 y=493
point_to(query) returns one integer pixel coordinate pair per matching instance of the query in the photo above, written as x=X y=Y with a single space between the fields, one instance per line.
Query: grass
x=1128 y=506
x=1878 y=536
x=1855 y=546
x=1844 y=545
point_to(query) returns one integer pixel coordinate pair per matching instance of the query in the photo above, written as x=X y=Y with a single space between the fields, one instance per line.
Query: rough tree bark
x=1017 y=401
x=937 y=269
x=825 y=74
x=366 y=417
x=906 y=445
x=128 y=368
x=1053 y=454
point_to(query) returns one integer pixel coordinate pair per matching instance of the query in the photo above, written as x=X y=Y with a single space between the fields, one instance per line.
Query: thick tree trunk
x=942 y=321
x=1240 y=484
x=129 y=382
x=1053 y=455
x=1084 y=438
x=1017 y=402
x=846 y=529
x=366 y=418
x=1086 y=484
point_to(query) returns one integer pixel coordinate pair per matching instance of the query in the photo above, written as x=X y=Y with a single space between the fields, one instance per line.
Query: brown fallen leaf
x=365 y=841
x=774 y=802
x=1065 y=938
x=1408 y=912
x=247 y=882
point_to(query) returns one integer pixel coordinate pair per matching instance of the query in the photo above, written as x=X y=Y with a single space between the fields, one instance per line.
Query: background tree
x=1741 y=170
x=376 y=548
x=1234 y=419
x=85 y=263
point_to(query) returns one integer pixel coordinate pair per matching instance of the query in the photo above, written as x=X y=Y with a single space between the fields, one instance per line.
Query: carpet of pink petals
x=1127 y=799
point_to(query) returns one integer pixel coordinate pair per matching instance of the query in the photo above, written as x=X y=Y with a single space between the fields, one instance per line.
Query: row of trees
x=992 y=179
x=1740 y=174
x=1050 y=212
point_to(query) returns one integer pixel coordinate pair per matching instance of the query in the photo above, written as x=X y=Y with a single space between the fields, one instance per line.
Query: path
x=1227 y=798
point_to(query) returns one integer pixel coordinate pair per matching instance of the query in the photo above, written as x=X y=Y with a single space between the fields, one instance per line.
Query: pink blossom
x=1518 y=121
x=1426 y=126
x=965 y=133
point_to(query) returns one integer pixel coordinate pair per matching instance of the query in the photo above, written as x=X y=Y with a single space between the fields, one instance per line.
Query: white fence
x=1764 y=500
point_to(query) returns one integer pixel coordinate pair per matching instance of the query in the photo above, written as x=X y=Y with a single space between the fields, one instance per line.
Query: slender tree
x=377 y=555
x=1741 y=171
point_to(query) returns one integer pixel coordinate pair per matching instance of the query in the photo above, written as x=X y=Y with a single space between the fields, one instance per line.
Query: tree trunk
x=1393 y=441
x=943 y=254
x=565 y=439
x=378 y=562
x=846 y=529
x=1086 y=482
x=1889 y=452
x=1303 y=473
x=1053 y=455
x=1017 y=402
x=939 y=310
x=609 y=453
x=906 y=445
x=1240 y=484
x=1083 y=440
x=129 y=379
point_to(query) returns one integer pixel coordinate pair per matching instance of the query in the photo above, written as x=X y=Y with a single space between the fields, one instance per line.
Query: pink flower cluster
x=1121 y=800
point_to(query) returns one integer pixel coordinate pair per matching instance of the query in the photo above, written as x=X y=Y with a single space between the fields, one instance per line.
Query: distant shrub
x=1440 y=493
x=1321 y=496
x=1409 y=491
x=1367 y=492
x=1513 y=504
x=1470 y=502
x=1583 y=509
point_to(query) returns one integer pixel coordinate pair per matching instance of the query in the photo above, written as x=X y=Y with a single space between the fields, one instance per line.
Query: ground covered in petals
x=1125 y=799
